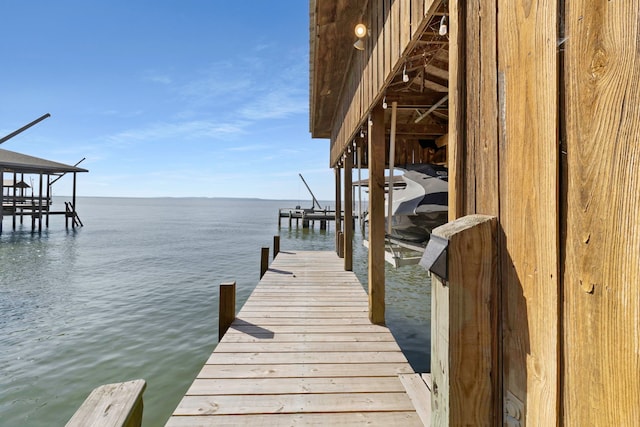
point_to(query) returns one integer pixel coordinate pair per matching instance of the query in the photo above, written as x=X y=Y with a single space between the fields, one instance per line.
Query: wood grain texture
x=419 y=394
x=463 y=330
x=111 y=405
x=342 y=419
x=601 y=270
x=528 y=117
x=457 y=111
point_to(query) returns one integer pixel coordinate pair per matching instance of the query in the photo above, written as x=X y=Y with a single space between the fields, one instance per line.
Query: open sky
x=164 y=97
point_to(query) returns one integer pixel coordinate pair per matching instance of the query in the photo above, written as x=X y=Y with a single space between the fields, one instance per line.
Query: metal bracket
x=434 y=258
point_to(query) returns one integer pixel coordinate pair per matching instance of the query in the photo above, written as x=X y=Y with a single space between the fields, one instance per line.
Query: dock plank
x=293 y=403
x=342 y=419
x=302 y=351
x=304 y=370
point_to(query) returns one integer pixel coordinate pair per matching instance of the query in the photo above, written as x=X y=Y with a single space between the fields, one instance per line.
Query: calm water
x=133 y=294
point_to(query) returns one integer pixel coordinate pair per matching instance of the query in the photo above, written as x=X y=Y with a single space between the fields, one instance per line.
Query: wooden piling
x=276 y=246
x=338 y=208
x=340 y=244
x=264 y=261
x=464 y=328
x=377 y=139
x=347 y=240
x=227 y=307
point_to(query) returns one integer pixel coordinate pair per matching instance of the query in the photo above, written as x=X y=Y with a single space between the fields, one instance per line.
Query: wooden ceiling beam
x=420 y=130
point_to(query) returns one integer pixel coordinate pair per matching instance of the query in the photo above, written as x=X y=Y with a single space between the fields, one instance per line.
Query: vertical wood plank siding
x=601 y=343
x=527 y=70
x=390 y=22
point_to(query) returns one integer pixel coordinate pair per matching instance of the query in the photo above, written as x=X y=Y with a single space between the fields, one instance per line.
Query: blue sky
x=164 y=97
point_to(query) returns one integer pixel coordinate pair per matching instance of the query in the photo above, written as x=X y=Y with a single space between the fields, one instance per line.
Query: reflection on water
x=133 y=294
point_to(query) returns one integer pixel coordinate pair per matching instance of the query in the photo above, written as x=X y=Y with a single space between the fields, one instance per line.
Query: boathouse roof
x=11 y=161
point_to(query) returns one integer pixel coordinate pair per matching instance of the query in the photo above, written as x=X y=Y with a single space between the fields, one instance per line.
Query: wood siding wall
x=601 y=198
x=504 y=162
x=545 y=134
x=393 y=25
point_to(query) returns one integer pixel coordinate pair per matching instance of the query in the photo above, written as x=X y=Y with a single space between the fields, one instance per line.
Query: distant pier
x=308 y=217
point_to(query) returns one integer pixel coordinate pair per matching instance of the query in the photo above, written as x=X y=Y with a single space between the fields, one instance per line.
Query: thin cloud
x=181 y=130
x=253 y=147
x=275 y=105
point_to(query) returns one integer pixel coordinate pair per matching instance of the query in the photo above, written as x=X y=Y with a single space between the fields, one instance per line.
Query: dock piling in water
x=227 y=307
x=264 y=261
x=276 y=246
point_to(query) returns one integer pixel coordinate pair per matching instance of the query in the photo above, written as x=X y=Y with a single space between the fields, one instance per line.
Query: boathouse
x=18 y=202
x=533 y=106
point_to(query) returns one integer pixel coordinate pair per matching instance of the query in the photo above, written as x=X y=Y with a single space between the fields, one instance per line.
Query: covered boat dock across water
x=17 y=203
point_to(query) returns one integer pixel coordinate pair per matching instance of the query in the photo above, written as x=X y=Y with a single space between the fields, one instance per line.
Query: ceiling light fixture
x=384 y=102
x=361 y=32
x=443 y=26
x=405 y=77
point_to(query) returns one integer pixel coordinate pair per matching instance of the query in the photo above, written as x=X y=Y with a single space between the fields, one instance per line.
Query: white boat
x=419 y=204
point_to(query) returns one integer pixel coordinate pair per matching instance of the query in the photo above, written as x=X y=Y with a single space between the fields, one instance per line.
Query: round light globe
x=361 y=30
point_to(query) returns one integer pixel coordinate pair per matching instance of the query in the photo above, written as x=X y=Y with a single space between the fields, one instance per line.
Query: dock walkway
x=303 y=352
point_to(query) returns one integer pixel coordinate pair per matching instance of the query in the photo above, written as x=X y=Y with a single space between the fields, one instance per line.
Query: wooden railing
x=112 y=405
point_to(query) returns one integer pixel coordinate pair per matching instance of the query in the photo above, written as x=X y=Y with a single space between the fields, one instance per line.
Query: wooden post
x=48 y=198
x=22 y=191
x=376 y=137
x=15 y=195
x=340 y=244
x=264 y=261
x=40 y=205
x=338 y=207
x=392 y=157
x=226 y=308
x=276 y=246
x=359 y=154
x=73 y=198
x=348 y=212
x=1 y=196
x=464 y=326
x=114 y=405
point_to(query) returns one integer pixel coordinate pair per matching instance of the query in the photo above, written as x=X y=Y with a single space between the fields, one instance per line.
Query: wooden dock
x=302 y=351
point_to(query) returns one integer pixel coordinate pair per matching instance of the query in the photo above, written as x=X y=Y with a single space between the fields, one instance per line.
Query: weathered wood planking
x=601 y=318
x=456 y=150
x=395 y=25
x=528 y=117
x=112 y=405
x=314 y=360
x=342 y=419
